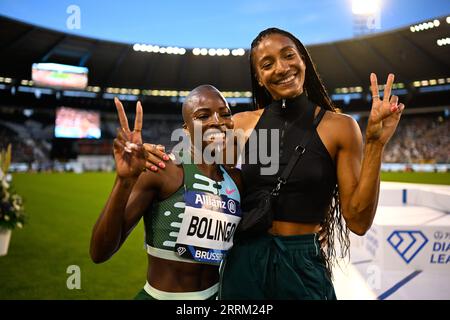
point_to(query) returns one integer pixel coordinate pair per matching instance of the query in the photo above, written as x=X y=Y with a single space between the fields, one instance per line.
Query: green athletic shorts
x=276 y=267
x=143 y=295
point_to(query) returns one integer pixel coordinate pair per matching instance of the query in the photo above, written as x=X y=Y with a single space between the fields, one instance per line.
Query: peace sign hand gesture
x=385 y=114
x=129 y=152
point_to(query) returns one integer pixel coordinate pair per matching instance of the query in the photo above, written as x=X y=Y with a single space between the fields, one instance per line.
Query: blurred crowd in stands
x=35 y=148
x=420 y=138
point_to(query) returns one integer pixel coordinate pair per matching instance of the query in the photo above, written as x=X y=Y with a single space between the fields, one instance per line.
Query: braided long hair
x=333 y=227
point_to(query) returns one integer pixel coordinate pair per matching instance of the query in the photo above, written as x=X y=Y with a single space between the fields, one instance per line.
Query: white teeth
x=288 y=79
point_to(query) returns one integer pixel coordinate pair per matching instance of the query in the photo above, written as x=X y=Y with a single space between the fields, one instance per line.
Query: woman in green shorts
x=332 y=189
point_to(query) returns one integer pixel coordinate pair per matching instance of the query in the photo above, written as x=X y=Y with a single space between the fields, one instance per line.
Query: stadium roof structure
x=415 y=54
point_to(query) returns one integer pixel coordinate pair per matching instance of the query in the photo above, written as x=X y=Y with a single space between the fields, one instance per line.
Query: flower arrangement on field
x=12 y=213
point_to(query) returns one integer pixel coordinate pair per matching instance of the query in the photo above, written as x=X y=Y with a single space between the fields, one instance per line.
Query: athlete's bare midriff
x=285 y=228
x=175 y=276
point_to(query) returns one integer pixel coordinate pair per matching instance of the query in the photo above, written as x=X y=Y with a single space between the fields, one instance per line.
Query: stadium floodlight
x=365 y=7
x=448 y=20
x=443 y=41
x=137 y=47
x=177 y=50
x=196 y=51
x=238 y=52
x=204 y=52
x=425 y=25
x=212 y=52
x=226 y=52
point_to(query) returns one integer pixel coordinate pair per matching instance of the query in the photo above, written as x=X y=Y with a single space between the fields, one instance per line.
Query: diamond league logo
x=181 y=250
x=407 y=243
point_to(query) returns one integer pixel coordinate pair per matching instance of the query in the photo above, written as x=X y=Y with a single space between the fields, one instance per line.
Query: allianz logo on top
x=407 y=243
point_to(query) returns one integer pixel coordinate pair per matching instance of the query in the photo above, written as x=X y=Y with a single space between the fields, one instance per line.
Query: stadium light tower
x=366 y=16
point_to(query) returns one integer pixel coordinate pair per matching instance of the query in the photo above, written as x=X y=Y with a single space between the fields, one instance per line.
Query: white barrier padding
x=410 y=238
x=400 y=194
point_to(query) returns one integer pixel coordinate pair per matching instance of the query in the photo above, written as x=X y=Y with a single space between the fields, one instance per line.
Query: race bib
x=208 y=226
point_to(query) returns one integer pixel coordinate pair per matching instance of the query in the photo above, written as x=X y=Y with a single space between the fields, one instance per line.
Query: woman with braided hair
x=331 y=190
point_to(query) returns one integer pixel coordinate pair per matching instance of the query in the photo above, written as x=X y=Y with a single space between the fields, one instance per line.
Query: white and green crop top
x=196 y=224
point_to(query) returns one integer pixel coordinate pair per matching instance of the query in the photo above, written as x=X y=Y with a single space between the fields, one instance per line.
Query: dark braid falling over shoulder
x=333 y=228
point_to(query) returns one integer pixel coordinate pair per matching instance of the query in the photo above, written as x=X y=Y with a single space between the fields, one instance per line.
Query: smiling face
x=279 y=66
x=206 y=109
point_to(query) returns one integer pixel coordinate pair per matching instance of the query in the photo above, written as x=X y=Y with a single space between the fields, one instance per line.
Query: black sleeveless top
x=308 y=193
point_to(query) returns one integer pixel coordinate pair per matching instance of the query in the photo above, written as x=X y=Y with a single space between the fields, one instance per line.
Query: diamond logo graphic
x=181 y=250
x=407 y=243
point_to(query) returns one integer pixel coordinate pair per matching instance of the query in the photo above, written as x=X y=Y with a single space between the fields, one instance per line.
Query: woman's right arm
x=132 y=192
x=124 y=208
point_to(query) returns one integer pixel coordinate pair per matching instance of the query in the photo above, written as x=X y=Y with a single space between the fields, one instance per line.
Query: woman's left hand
x=385 y=114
